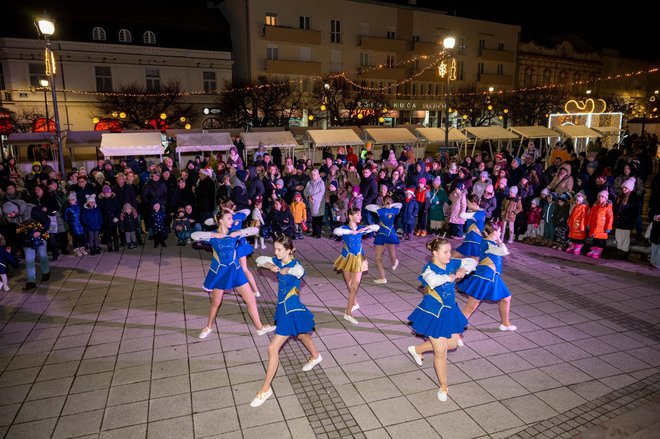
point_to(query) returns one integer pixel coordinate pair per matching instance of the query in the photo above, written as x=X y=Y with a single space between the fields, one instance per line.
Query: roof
x=437 y=135
x=129 y=144
x=608 y=130
x=576 y=131
x=390 y=135
x=492 y=133
x=193 y=26
x=30 y=138
x=189 y=142
x=270 y=139
x=334 y=137
x=80 y=138
x=533 y=132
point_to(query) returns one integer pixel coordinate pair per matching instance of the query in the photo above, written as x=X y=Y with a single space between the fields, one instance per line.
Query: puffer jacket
x=577 y=222
x=601 y=219
x=72 y=216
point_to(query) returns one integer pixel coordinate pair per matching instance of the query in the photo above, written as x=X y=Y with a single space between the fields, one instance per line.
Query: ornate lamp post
x=448 y=44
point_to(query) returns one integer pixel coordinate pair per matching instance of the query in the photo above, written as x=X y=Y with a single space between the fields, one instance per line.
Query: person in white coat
x=315 y=193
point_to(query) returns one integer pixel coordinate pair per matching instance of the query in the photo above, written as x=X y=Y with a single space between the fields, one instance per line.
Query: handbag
x=52 y=228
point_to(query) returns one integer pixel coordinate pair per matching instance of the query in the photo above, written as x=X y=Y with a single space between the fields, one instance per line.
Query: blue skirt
x=226 y=278
x=243 y=249
x=382 y=239
x=484 y=289
x=469 y=248
x=451 y=321
x=293 y=323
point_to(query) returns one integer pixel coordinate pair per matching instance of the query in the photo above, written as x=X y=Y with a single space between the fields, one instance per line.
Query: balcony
x=496 y=55
x=423 y=48
x=292 y=35
x=293 y=67
x=495 y=80
x=386 y=73
x=382 y=44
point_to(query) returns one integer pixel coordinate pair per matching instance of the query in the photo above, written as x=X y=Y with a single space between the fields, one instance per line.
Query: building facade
x=387 y=45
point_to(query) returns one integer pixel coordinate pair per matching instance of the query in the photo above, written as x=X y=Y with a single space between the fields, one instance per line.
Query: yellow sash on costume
x=292 y=292
x=430 y=291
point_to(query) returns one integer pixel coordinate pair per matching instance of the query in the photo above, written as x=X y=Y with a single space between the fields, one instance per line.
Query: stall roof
x=30 y=138
x=270 y=139
x=607 y=130
x=492 y=133
x=437 y=135
x=390 y=135
x=576 y=131
x=189 y=142
x=533 y=132
x=173 y=132
x=265 y=129
x=334 y=137
x=80 y=138
x=129 y=144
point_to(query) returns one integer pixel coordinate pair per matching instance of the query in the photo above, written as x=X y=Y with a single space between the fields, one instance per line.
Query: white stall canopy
x=132 y=144
x=578 y=132
x=437 y=135
x=384 y=136
x=269 y=139
x=194 y=142
x=533 y=132
x=323 y=138
x=491 y=133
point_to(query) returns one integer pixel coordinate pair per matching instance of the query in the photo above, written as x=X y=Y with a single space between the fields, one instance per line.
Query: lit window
x=390 y=61
x=98 y=34
x=149 y=37
x=125 y=36
x=271 y=19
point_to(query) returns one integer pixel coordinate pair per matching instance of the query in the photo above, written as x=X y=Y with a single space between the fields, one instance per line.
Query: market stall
x=436 y=136
x=391 y=136
x=335 y=137
x=490 y=134
x=198 y=142
x=132 y=144
x=270 y=139
x=581 y=135
x=534 y=132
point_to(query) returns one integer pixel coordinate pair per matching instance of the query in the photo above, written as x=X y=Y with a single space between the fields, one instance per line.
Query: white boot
x=263 y=242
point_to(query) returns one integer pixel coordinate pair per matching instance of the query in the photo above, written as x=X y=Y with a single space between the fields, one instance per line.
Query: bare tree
x=25 y=117
x=234 y=104
x=480 y=107
x=531 y=107
x=346 y=103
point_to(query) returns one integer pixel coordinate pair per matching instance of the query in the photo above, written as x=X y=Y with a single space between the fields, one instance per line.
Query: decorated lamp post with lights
x=447 y=71
x=46 y=28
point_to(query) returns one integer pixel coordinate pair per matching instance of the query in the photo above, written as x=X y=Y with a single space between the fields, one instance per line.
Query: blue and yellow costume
x=352 y=254
x=386 y=215
x=291 y=316
x=438 y=314
x=476 y=221
x=486 y=282
x=244 y=248
x=225 y=272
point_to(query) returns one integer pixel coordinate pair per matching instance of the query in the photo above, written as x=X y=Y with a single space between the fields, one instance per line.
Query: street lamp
x=44 y=84
x=448 y=44
x=46 y=28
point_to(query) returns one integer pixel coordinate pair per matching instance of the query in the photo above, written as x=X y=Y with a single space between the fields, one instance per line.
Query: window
x=335 y=31
x=364 y=59
x=460 y=70
x=335 y=60
x=210 y=82
x=364 y=29
x=547 y=73
x=461 y=46
x=305 y=22
x=480 y=70
x=153 y=79
x=528 y=76
x=391 y=35
x=482 y=44
x=563 y=75
x=500 y=46
x=415 y=38
x=125 y=36
x=103 y=78
x=98 y=34
x=273 y=52
x=149 y=37
x=37 y=72
x=429 y=90
x=414 y=89
x=390 y=61
x=306 y=54
x=500 y=69
x=271 y=19
x=2 y=78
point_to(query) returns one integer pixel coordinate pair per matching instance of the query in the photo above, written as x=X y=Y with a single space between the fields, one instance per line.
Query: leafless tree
x=346 y=103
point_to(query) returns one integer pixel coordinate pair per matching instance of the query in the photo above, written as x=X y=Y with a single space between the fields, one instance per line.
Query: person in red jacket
x=577 y=224
x=533 y=221
x=600 y=222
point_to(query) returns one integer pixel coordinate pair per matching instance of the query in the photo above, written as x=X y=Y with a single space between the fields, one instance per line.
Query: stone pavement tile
x=217 y=421
x=170 y=386
x=33 y=430
x=567 y=351
x=212 y=399
x=543 y=338
x=335 y=341
x=566 y=373
x=592 y=328
x=132 y=432
x=456 y=425
x=365 y=418
x=78 y=424
x=595 y=346
x=368 y=336
x=128 y=393
x=455 y=374
x=169 y=368
x=299 y=428
x=413 y=382
x=529 y=408
x=14 y=394
x=352 y=354
x=101 y=350
x=377 y=389
x=479 y=368
x=336 y=375
x=131 y=375
x=400 y=363
x=364 y=370
x=381 y=349
x=275 y=430
x=502 y=387
x=596 y=367
x=291 y=408
x=469 y=394
x=21 y=376
x=590 y=390
x=569 y=333
x=96 y=365
x=245 y=356
x=170 y=353
x=648 y=354
x=65 y=355
x=244 y=393
x=40 y=409
x=428 y=405
x=83 y=402
x=488 y=347
x=535 y=380
x=624 y=362
x=570 y=317
x=545 y=320
x=204 y=347
x=510 y=362
x=561 y=399
x=624 y=341
x=29 y=360
x=236 y=343
x=169 y=407
x=418 y=428
x=494 y=417
x=394 y=411
x=539 y=357
x=49 y=389
x=71 y=342
x=133 y=359
x=618 y=381
x=246 y=373
x=378 y=433
x=87 y=383
x=349 y=394
x=124 y=415
x=8 y=413
x=173 y=428
x=207 y=362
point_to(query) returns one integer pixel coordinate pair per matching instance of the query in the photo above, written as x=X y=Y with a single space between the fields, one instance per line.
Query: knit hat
x=460 y=185
x=422 y=181
x=592 y=165
x=554 y=196
x=564 y=197
x=517 y=160
x=72 y=196
x=91 y=198
x=605 y=194
x=206 y=171
x=410 y=191
x=279 y=181
x=513 y=190
x=483 y=174
x=536 y=202
x=297 y=195
x=629 y=184
x=437 y=180
x=545 y=192
x=9 y=207
x=498 y=157
x=582 y=195
x=489 y=190
x=356 y=190
x=107 y=189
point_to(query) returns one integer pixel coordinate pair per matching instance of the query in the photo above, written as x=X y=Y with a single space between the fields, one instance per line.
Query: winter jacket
x=409 y=210
x=601 y=219
x=110 y=208
x=625 y=215
x=577 y=222
x=125 y=194
x=511 y=207
x=154 y=192
x=128 y=223
x=437 y=200
x=255 y=187
x=91 y=218
x=158 y=222
x=6 y=259
x=534 y=216
x=369 y=190
x=299 y=211
x=560 y=218
x=315 y=191
x=458 y=206
x=72 y=217
x=489 y=205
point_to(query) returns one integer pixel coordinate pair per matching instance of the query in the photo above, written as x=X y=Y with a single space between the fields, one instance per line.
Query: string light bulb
x=163 y=116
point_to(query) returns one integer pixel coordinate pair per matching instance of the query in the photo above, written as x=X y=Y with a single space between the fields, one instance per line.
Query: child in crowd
x=292 y=318
x=339 y=209
x=356 y=199
x=259 y=222
x=128 y=221
x=458 y=207
x=511 y=207
x=547 y=216
x=577 y=224
x=182 y=227
x=158 y=225
x=533 y=220
x=601 y=219
x=437 y=201
x=421 y=195
x=5 y=259
x=560 y=221
x=409 y=213
x=299 y=212
x=72 y=215
x=92 y=221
